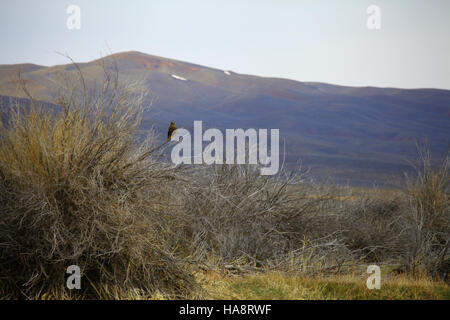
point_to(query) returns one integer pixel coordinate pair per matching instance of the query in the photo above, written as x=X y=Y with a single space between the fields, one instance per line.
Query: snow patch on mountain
x=178 y=77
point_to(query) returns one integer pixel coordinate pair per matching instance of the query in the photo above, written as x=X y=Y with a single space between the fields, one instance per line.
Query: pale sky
x=305 y=40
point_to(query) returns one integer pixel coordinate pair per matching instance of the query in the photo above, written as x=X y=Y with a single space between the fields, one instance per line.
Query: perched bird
x=172 y=128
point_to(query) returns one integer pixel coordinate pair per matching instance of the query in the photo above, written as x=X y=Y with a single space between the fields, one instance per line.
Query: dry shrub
x=233 y=216
x=233 y=212
x=76 y=188
x=230 y=215
x=342 y=229
x=428 y=221
x=371 y=224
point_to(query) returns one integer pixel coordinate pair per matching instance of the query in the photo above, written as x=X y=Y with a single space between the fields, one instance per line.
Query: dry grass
x=278 y=286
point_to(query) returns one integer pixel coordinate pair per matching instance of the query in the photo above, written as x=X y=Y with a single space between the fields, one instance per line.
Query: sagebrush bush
x=428 y=220
x=239 y=217
x=234 y=212
x=76 y=188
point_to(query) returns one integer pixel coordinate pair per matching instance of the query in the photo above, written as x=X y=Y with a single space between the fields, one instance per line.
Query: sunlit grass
x=276 y=286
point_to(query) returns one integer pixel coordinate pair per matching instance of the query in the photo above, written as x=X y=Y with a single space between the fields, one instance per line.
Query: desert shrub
x=76 y=188
x=371 y=224
x=235 y=215
x=346 y=228
x=428 y=221
x=233 y=212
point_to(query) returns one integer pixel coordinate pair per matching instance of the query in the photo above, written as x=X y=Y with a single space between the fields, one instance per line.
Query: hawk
x=172 y=128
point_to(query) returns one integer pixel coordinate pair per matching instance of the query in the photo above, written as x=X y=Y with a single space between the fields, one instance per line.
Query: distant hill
x=356 y=134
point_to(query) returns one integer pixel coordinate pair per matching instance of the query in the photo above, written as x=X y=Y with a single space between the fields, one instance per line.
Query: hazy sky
x=306 y=40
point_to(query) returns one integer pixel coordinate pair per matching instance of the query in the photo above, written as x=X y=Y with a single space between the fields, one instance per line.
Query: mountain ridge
x=356 y=133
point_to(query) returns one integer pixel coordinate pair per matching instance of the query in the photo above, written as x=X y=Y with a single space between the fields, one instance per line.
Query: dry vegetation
x=77 y=188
